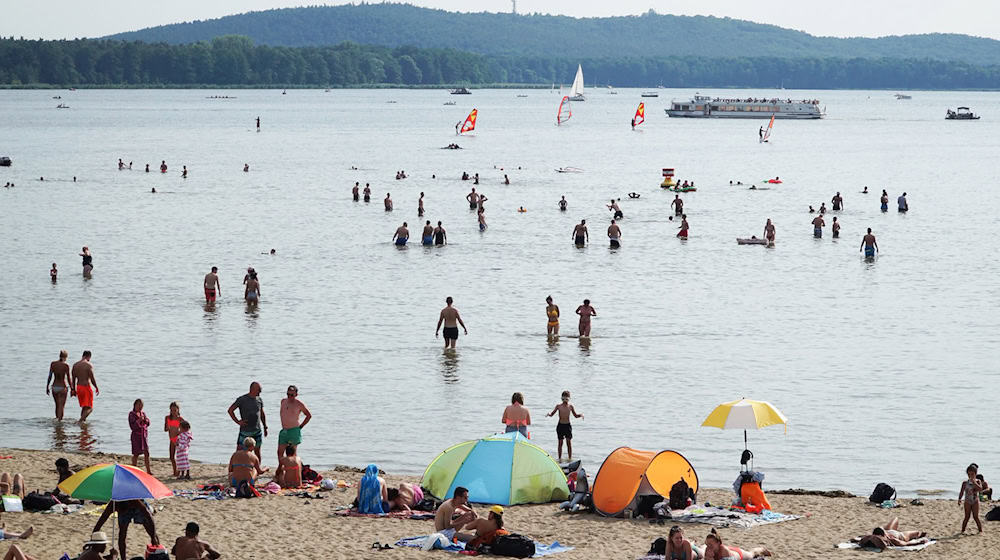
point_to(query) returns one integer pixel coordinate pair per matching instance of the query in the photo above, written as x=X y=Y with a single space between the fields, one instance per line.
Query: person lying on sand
x=455 y=513
x=406 y=497
x=715 y=550
x=890 y=535
x=6 y=535
x=190 y=547
x=12 y=485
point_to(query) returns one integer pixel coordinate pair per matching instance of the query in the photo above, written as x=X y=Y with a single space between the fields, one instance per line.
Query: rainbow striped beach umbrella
x=113 y=482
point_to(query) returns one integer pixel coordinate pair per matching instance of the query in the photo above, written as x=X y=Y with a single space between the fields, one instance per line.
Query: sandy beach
x=279 y=526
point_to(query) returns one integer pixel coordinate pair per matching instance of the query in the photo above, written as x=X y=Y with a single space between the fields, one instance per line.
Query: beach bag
x=245 y=490
x=994 y=514
x=679 y=494
x=514 y=545
x=644 y=506
x=36 y=501
x=882 y=493
x=659 y=546
x=309 y=474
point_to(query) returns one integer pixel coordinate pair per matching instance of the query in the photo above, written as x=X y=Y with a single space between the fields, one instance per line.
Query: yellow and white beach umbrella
x=745 y=415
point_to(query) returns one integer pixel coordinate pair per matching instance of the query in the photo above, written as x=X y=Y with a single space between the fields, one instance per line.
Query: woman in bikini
x=406 y=497
x=289 y=471
x=552 y=311
x=58 y=375
x=679 y=548
x=244 y=466
x=715 y=550
x=172 y=425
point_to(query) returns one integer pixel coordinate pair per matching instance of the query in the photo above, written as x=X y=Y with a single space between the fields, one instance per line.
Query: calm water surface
x=886 y=370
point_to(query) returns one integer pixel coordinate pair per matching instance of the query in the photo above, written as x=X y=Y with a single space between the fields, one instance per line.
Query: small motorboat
x=903 y=96
x=62 y=106
x=461 y=91
x=569 y=170
x=961 y=114
x=650 y=94
x=450 y=103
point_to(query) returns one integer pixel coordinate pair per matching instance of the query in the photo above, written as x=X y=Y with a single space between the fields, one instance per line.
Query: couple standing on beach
x=78 y=381
x=585 y=311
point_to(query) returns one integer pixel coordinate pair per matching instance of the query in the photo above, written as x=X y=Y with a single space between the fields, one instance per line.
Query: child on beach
x=970 y=491
x=139 y=422
x=564 y=430
x=172 y=425
x=183 y=445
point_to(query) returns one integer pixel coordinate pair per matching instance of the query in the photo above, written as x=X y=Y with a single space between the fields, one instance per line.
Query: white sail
x=576 y=93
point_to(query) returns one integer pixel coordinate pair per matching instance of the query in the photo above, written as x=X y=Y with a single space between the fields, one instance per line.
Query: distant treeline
x=236 y=61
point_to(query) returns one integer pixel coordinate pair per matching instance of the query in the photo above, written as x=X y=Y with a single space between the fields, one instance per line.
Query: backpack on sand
x=36 y=501
x=881 y=493
x=994 y=514
x=679 y=494
x=517 y=546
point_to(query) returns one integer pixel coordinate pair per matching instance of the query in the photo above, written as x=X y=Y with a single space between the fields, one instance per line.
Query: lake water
x=887 y=370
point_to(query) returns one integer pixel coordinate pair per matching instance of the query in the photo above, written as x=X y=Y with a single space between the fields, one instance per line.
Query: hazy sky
x=55 y=19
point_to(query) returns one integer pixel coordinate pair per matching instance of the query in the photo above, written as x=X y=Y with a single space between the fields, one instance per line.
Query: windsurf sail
x=767 y=131
x=565 y=110
x=640 y=115
x=470 y=122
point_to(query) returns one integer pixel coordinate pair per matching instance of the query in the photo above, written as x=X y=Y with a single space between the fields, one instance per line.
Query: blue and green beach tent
x=503 y=469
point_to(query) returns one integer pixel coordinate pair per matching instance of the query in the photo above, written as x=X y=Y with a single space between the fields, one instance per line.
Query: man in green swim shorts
x=291 y=429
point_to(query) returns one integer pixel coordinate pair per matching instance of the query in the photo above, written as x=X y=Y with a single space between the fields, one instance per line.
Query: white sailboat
x=576 y=93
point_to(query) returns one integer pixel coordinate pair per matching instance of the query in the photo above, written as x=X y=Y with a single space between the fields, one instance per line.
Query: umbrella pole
x=745 y=440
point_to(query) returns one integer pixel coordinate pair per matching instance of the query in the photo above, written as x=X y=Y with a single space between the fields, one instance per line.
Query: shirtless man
x=836 y=228
x=451 y=319
x=427 y=237
x=837 y=201
x=616 y=209
x=420 y=205
x=368 y=193
x=473 y=199
x=818 y=224
x=401 y=235
x=440 y=235
x=190 y=547
x=355 y=191
x=563 y=203
x=388 y=203
x=585 y=312
x=212 y=286
x=769 y=233
x=58 y=376
x=580 y=234
x=678 y=205
x=81 y=379
x=869 y=245
x=291 y=429
x=615 y=235
x=455 y=513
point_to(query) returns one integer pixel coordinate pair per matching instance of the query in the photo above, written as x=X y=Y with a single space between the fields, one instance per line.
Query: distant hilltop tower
x=513 y=8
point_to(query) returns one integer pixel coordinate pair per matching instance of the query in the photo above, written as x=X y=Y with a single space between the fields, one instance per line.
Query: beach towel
x=720 y=517
x=437 y=541
x=417 y=515
x=912 y=547
x=370 y=495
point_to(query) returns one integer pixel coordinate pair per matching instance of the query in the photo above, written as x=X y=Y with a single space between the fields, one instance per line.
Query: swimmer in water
x=769 y=233
x=401 y=236
x=440 y=236
x=368 y=193
x=616 y=209
x=522 y=209
x=615 y=235
x=836 y=228
x=54 y=273
x=147 y=168
x=678 y=205
x=473 y=199
x=482 y=220
x=506 y=180
x=184 y=173
x=355 y=191
x=869 y=245
x=153 y=191
x=580 y=234
x=563 y=203
x=683 y=233
x=427 y=237
x=388 y=203
x=420 y=205
x=246 y=167
x=865 y=191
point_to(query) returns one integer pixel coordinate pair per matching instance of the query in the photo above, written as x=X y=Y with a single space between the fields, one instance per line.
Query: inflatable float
x=681 y=189
x=775 y=181
x=750 y=241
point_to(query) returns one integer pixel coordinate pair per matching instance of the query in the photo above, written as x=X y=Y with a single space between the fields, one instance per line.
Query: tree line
x=237 y=61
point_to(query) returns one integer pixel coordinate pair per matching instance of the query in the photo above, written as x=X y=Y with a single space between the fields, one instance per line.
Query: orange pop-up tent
x=625 y=471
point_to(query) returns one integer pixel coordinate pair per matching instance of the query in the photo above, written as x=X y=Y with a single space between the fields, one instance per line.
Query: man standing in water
x=355 y=192
x=769 y=233
x=585 y=312
x=451 y=319
x=678 y=205
x=901 y=203
x=580 y=234
x=251 y=418
x=615 y=234
x=258 y=124
x=837 y=201
x=212 y=286
x=420 y=206
x=869 y=245
x=81 y=379
x=818 y=224
x=388 y=203
x=291 y=430
x=58 y=376
x=401 y=235
x=427 y=237
x=473 y=199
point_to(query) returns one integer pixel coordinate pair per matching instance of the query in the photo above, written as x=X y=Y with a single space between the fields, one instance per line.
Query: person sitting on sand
x=289 y=471
x=406 y=497
x=190 y=547
x=455 y=513
x=373 y=497
x=92 y=550
x=715 y=550
x=6 y=535
x=12 y=485
x=486 y=529
x=244 y=466
x=129 y=511
x=890 y=535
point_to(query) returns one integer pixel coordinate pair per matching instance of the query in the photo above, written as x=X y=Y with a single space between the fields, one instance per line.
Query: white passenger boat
x=703 y=106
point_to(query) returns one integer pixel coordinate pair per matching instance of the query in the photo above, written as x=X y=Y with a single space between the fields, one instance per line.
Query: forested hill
x=648 y=35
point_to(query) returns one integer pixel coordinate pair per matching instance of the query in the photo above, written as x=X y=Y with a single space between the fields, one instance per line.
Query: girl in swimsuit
x=715 y=550
x=679 y=548
x=970 y=491
x=552 y=311
x=172 y=425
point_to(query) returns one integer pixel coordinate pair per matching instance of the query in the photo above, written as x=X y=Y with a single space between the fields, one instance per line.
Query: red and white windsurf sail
x=640 y=115
x=565 y=110
x=470 y=122
x=767 y=131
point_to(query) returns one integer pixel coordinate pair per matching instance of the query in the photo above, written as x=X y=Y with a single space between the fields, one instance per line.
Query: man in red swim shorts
x=81 y=379
x=212 y=286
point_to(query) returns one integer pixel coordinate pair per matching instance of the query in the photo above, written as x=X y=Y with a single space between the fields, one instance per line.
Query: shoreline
x=277 y=526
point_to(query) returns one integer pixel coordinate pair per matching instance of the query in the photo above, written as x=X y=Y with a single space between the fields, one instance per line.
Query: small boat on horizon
x=650 y=94
x=461 y=91
x=961 y=114
x=903 y=96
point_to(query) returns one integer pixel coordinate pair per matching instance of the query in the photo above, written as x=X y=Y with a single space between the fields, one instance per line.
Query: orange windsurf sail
x=470 y=122
x=565 y=110
x=640 y=115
